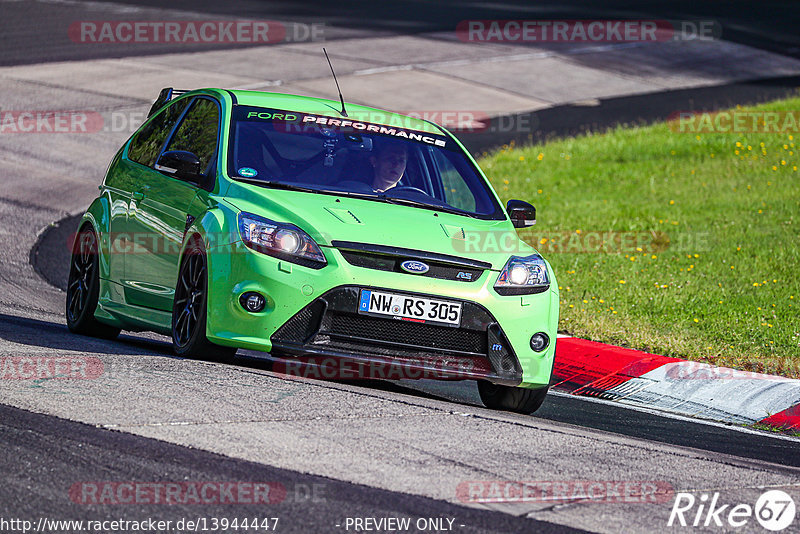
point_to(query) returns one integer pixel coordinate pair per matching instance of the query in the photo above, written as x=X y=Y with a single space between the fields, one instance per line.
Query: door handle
x=138 y=196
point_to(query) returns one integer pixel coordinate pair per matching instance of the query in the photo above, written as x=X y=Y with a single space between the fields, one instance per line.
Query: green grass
x=773 y=430
x=718 y=221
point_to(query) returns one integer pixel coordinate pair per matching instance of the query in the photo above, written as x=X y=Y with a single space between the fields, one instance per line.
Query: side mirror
x=181 y=164
x=522 y=214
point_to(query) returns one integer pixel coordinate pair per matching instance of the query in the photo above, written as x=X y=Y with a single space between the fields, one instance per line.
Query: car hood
x=328 y=218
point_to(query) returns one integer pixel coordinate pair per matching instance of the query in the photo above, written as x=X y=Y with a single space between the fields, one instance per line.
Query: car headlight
x=523 y=276
x=282 y=240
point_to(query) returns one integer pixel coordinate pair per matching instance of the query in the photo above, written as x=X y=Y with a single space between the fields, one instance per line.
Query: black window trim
x=189 y=100
x=214 y=158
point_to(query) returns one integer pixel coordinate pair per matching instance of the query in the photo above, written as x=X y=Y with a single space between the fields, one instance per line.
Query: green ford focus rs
x=344 y=239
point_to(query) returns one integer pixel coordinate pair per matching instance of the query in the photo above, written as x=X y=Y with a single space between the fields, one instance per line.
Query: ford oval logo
x=414 y=267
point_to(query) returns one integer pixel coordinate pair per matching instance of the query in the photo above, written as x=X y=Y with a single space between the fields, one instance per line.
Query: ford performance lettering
x=374 y=128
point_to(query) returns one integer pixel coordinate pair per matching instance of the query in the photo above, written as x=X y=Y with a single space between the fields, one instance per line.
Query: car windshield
x=287 y=149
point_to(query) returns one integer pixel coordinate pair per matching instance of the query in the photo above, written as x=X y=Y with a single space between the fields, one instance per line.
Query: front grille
x=410 y=334
x=478 y=364
x=392 y=264
x=332 y=323
x=385 y=258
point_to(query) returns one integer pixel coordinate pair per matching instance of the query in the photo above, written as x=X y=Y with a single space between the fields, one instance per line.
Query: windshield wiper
x=275 y=185
x=434 y=207
x=292 y=187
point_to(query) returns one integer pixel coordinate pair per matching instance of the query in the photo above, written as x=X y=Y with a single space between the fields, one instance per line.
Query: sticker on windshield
x=248 y=172
x=355 y=124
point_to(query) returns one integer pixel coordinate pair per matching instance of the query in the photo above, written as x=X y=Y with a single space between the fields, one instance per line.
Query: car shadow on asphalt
x=56 y=336
x=427 y=389
x=46 y=334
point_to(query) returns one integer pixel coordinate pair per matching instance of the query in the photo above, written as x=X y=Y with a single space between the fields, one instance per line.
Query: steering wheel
x=408 y=188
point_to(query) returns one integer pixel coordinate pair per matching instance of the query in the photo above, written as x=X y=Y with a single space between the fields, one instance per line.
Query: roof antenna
x=344 y=111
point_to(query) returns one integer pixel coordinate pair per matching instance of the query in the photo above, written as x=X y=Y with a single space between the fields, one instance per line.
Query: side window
x=197 y=132
x=146 y=145
x=456 y=191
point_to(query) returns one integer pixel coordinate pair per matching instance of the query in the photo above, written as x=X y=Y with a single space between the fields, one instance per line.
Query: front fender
x=216 y=225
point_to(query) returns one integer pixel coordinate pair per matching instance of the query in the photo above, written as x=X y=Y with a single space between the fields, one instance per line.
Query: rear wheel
x=83 y=288
x=512 y=399
x=189 y=310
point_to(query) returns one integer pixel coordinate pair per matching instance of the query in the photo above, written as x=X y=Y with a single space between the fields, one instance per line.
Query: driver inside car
x=388 y=166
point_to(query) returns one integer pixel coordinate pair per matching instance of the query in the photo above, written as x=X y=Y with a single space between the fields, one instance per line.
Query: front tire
x=511 y=399
x=190 y=309
x=83 y=288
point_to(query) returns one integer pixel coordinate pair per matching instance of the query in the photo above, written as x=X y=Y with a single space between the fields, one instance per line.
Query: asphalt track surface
x=375 y=448
x=770 y=25
x=34 y=468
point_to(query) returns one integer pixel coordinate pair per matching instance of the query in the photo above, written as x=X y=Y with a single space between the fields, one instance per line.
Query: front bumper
x=312 y=313
x=331 y=326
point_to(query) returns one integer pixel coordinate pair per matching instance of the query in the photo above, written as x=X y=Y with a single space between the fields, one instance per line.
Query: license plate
x=409 y=308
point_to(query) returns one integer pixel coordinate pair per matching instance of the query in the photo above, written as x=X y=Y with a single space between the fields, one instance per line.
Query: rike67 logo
x=774 y=510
